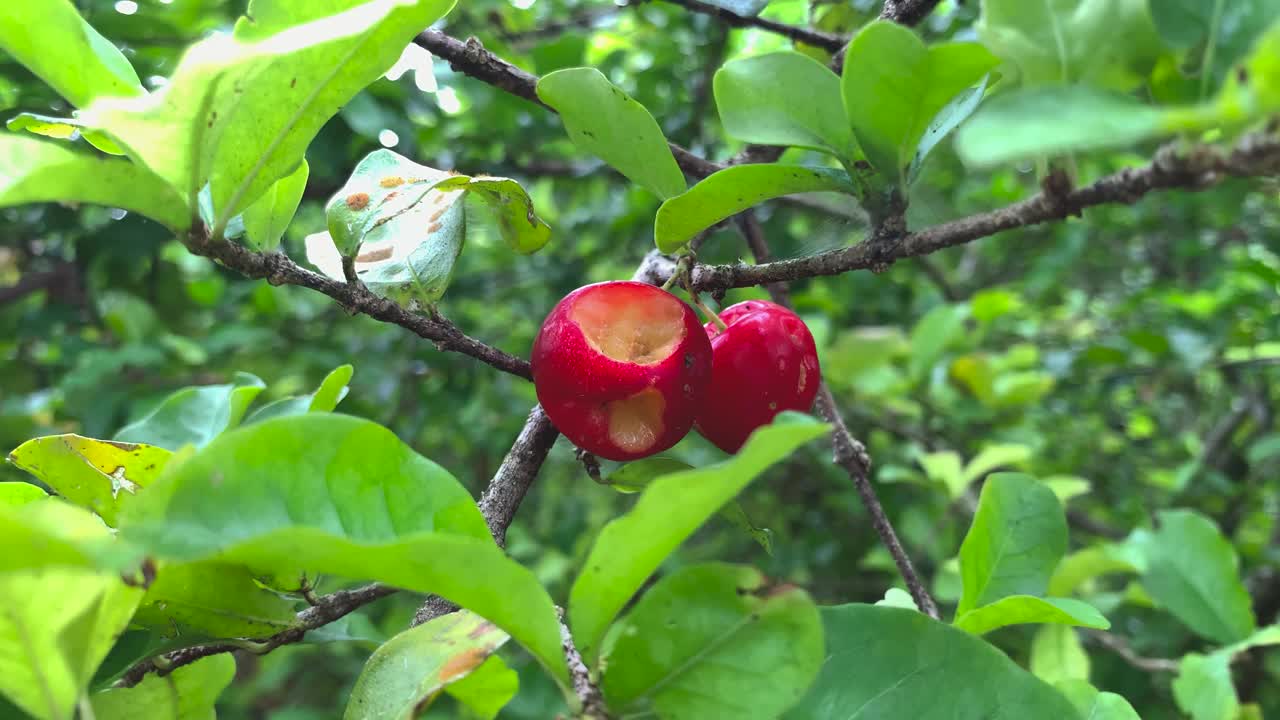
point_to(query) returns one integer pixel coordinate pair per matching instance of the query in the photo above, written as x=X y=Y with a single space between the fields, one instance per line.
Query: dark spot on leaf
x=293 y=82
x=1242 y=75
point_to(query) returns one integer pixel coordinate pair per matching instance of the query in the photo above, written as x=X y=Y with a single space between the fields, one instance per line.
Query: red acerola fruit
x=762 y=363
x=621 y=368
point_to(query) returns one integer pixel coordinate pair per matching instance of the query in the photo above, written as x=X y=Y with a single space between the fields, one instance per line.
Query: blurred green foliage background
x=1134 y=353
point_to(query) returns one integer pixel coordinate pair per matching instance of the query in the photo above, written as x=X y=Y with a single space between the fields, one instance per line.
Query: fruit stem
x=681 y=269
x=715 y=318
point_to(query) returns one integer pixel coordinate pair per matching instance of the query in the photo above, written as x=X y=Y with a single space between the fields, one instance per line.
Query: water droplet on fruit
x=782 y=365
x=773 y=406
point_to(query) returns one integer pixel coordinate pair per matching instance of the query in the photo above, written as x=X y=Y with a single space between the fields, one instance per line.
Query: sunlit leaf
x=604 y=121
x=632 y=546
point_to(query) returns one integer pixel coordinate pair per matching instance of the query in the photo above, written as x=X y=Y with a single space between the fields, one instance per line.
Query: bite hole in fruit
x=635 y=423
x=628 y=327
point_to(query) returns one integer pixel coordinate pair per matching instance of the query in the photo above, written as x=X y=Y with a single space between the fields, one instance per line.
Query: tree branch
x=817 y=38
x=593 y=706
x=907 y=12
x=326 y=609
x=847 y=451
x=471 y=59
x=278 y=269
x=505 y=492
x=1198 y=168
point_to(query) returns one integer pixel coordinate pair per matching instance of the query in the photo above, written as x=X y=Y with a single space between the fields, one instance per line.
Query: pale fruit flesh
x=637 y=333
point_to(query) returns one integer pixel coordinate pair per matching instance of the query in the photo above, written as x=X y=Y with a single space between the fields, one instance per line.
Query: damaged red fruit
x=763 y=362
x=621 y=368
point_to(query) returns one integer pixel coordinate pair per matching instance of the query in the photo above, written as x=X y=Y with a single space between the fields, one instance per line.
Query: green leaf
x=784 y=98
x=325 y=398
x=100 y=475
x=70 y=612
x=1066 y=41
x=188 y=693
x=13 y=494
x=194 y=415
x=190 y=602
x=1217 y=32
x=714 y=641
x=36 y=171
x=1018 y=535
x=1057 y=654
x=1192 y=571
x=1269 y=635
x=899 y=598
x=53 y=533
x=407 y=673
x=992 y=457
x=332 y=389
x=338 y=495
x=1024 y=609
x=59 y=47
x=733 y=512
x=894 y=86
x=383 y=185
x=604 y=121
x=1044 y=122
x=632 y=546
x=268 y=217
x=1067 y=487
x=1203 y=688
x=221 y=118
x=1083 y=565
x=485 y=690
x=410 y=257
x=1095 y=705
x=511 y=206
x=886 y=662
x=943 y=467
x=634 y=476
x=933 y=334
x=61 y=129
x=948 y=119
x=734 y=189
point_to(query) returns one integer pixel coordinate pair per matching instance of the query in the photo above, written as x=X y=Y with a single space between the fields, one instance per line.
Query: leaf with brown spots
x=409 y=671
x=100 y=475
x=375 y=193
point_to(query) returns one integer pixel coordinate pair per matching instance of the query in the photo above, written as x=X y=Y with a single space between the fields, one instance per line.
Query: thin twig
x=817 y=38
x=327 y=609
x=278 y=269
x=847 y=451
x=1121 y=647
x=851 y=455
x=470 y=58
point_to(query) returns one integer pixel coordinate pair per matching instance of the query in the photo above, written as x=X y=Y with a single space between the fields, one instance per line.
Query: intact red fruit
x=763 y=362
x=621 y=368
